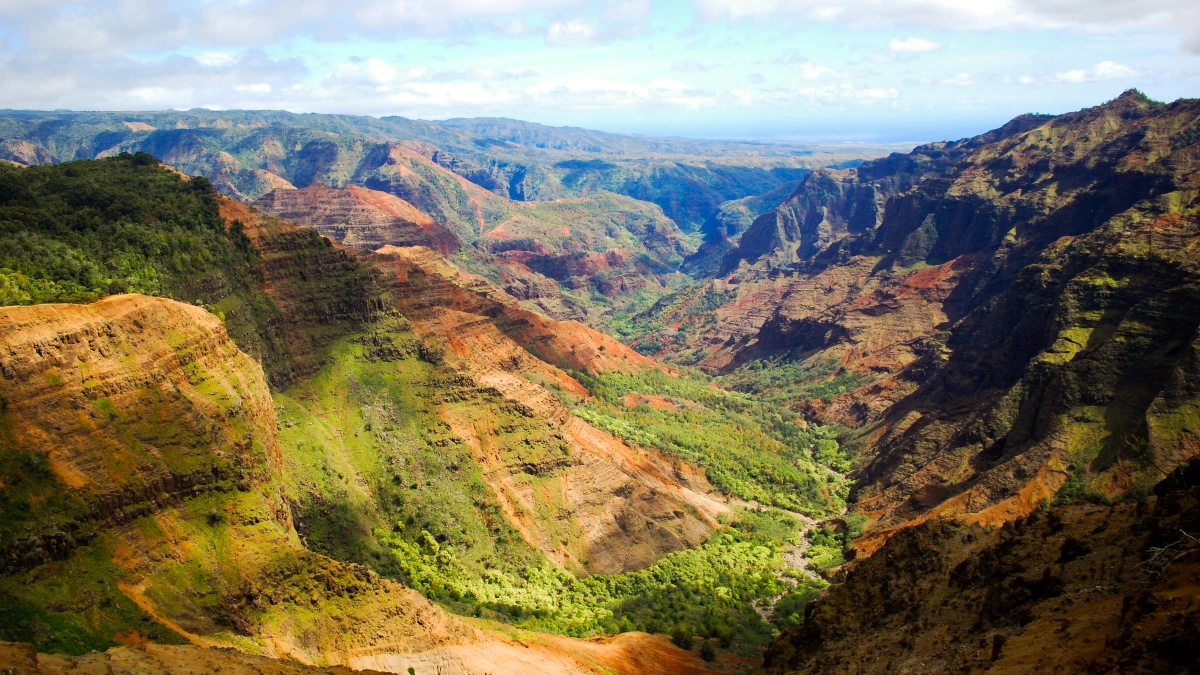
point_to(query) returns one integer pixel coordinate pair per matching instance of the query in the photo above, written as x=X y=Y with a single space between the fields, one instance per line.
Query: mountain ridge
x=879 y=300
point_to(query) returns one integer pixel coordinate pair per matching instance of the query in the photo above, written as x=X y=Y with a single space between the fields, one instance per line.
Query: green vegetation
x=374 y=453
x=382 y=480
x=79 y=231
x=745 y=446
x=827 y=546
x=692 y=302
x=73 y=606
x=781 y=380
x=789 y=610
x=1078 y=488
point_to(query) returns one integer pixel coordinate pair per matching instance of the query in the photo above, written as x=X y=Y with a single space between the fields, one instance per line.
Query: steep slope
x=448 y=450
x=359 y=217
x=482 y=460
x=632 y=653
x=997 y=318
x=565 y=239
x=126 y=224
x=724 y=228
x=143 y=493
x=70 y=371
x=144 y=497
x=428 y=285
x=1079 y=588
x=150 y=658
x=493 y=337
x=626 y=507
x=580 y=258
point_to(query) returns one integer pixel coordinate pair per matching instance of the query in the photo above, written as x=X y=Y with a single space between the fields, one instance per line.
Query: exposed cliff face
x=623 y=508
x=314 y=292
x=143 y=497
x=426 y=285
x=629 y=507
x=725 y=226
x=121 y=408
x=148 y=657
x=605 y=243
x=610 y=251
x=829 y=204
x=1083 y=588
x=359 y=217
x=143 y=479
x=998 y=316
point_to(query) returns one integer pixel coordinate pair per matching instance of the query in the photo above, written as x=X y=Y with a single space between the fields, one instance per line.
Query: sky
x=856 y=70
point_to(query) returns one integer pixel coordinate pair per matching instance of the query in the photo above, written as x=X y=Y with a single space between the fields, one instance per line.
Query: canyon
x=423 y=407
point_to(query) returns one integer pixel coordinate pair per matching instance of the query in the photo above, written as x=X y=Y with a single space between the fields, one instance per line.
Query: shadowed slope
x=998 y=317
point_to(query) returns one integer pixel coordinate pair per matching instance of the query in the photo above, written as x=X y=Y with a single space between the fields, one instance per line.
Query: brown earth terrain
x=1084 y=588
x=537 y=252
x=1005 y=328
x=628 y=506
x=70 y=370
x=993 y=317
x=359 y=217
x=181 y=513
x=426 y=285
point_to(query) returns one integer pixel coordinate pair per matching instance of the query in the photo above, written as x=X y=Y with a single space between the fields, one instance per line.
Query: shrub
x=682 y=637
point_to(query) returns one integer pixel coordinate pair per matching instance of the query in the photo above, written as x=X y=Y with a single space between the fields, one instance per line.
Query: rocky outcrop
x=830 y=205
x=145 y=460
x=148 y=658
x=1082 y=588
x=627 y=654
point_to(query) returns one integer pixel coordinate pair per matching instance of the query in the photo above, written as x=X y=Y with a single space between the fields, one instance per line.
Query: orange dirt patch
x=650 y=401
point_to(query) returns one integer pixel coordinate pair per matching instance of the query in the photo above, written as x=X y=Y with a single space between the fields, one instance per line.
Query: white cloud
x=92 y=82
x=430 y=16
x=959 y=80
x=380 y=71
x=815 y=71
x=217 y=58
x=572 y=33
x=1105 y=70
x=808 y=69
x=1178 y=17
x=119 y=26
x=673 y=85
x=913 y=45
x=628 y=11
